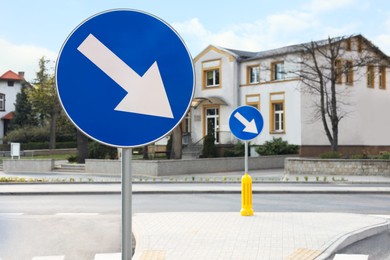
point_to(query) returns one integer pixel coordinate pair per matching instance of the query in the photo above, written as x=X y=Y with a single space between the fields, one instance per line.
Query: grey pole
x=246 y=156
x=126 y=204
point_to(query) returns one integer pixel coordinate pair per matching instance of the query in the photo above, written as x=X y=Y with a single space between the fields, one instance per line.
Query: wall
x=336 y=167
x=345 y=150
x=26 y=165
x=366 y=121
x=182 y=167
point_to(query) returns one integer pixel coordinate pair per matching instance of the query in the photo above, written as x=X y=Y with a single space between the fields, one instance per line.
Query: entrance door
x=212 y=122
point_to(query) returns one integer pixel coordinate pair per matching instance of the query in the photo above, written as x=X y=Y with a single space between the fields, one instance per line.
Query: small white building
x=268 y=80
x=10 y=85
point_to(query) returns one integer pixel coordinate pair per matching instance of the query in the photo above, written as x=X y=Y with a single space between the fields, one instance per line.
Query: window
x=2 y=102
x=278 y=117
x=253 y=100
x=360 y=45
x=10 y=83
x=382 y=77
x=253 y=74
x=277 y=114
x=349 y=72
x=212 y=78
x=211 y=74
x=338 y=71
x=348 y=44
x=370 y=76
x=277 y=71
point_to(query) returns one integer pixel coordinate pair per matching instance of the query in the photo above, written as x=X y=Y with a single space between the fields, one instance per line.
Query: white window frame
x=278 y=71
x=2 y=102
x=278 y=114
x=254 y=74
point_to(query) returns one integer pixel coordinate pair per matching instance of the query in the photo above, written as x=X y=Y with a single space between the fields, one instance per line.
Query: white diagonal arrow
x=250 y=127
x=145 y=94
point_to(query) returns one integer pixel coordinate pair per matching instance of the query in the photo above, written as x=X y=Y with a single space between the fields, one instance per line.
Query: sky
x=30 y=30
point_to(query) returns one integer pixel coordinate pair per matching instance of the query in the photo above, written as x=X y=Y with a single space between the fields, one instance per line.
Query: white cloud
x=22 y=58
x=317 y=6
x=268 y=33
x=383 y=40
x=291 y=21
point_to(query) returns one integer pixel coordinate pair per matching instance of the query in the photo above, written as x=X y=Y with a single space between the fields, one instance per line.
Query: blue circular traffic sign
x=125 y=78
x=246 y=122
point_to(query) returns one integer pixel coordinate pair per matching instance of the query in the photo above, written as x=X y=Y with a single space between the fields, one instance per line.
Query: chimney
x=21 y=74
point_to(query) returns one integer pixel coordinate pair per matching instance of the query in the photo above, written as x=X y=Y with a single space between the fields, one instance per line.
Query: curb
x=28 y=193
x=353 y=237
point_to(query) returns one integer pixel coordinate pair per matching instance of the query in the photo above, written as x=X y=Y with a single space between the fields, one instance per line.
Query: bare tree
x=325 y=64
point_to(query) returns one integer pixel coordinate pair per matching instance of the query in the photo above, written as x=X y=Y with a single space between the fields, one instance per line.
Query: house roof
x=10 y=75
x=241 y=54
x=8 y=116
x=247 y=56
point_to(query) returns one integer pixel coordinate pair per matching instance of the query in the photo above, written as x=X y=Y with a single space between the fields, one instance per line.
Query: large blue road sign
x=246 y=122
x=125 y=78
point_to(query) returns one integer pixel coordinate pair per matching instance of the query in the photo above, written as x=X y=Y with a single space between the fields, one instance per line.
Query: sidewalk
x=290 y=236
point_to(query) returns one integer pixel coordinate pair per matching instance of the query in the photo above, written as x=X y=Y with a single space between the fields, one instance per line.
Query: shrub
x=28 y=134
x=209 y=148
x=330 y=155
x=359 y=156
x=277 y=146
x=100 y=151
x=237 y=151
x=72 y=158
x=384 y=156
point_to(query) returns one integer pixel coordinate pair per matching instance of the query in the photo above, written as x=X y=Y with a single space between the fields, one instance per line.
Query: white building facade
x=10 y=85
x=226 y=79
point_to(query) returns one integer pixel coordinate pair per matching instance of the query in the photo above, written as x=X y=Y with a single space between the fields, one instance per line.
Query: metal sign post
x=126 y=205
x=246 y=123
x=246 y=156
x=144 y=72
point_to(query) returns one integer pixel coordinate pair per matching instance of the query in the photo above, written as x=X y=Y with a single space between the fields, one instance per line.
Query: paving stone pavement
x=228 y=235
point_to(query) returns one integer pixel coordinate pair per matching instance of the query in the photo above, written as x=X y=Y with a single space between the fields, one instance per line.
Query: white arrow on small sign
x=250 y=127
x=145 y=94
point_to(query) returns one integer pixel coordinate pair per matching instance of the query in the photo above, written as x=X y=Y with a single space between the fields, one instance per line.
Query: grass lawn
x=49 y=156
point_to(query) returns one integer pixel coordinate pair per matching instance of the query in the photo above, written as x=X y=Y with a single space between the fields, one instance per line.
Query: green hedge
x=277 y=147
x=39 y=145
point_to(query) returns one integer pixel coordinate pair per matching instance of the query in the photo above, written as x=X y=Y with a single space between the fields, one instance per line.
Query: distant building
x=10 y=85
x=226 y=79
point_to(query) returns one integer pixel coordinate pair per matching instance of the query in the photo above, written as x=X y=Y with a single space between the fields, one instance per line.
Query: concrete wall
x=180 y=167
x=26 y=165
x=337 y=166
x=154 y=167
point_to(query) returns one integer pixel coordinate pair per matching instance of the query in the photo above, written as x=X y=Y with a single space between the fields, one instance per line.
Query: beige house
x=270 y=81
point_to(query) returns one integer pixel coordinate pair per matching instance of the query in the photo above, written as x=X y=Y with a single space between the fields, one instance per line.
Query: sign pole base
x=246 y=189
x=126 y=204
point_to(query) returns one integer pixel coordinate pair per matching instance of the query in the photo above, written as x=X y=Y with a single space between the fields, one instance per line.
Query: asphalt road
x=143 y=203
x=83 y=225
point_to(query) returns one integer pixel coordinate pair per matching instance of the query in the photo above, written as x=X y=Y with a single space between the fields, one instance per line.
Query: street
x=145 y=203
x=84 y=225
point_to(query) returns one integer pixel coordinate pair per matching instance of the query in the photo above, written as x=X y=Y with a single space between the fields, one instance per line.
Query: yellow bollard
x=246 y=195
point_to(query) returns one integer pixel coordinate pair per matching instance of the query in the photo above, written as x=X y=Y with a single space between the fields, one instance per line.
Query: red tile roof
x=10 y=75
x=8 y=116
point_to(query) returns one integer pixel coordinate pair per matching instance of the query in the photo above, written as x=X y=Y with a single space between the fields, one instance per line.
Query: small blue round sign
x=246 y=122
x=125 y=78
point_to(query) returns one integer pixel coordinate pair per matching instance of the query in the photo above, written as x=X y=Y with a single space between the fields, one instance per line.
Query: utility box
x=15 y=150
